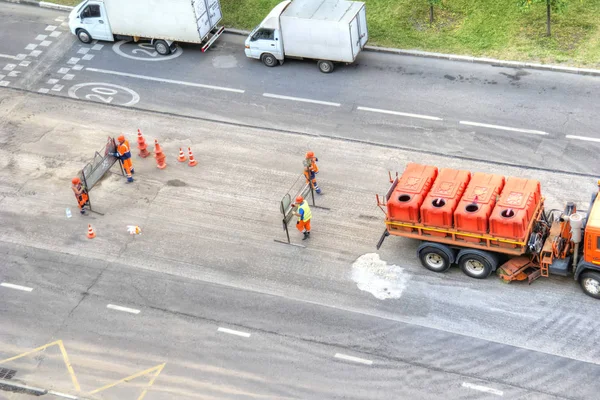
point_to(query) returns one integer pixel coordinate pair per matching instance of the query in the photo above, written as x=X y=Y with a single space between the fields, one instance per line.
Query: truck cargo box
x=477 y=203
x=443 y=198
x=408 y=195
x=515 y=208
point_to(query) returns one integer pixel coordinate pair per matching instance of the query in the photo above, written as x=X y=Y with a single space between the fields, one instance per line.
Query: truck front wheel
x=434 y=259
x=269 y=60
x=475 y=266
x=84 y=36
x=325 y=66
x=162 y=47
x=590 y=283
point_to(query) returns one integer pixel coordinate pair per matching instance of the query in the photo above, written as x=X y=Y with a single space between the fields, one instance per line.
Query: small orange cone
x=182 y=156
x=142 y=145
x=192 y=162
x=159 y=155
x=91 y=234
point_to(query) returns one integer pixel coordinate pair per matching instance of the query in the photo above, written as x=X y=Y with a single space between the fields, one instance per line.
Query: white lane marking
x=301 y=99
x=88 y=57
x=97 y=46
x=77 y=67
x=402 y=114
x=68 y=77
x=483 y=389
x=51 y=27
x=7 y=56
x=17 y=287
x=505 y=128
x=354 y=359
x=41 y=37
x=43 y=90
x=73 y=61
x=585 y=138
x=20 y=57
x=150 y=78
x=232 y=332
x=2 y=76
x=125 y=309
x=31 y=46
x=4 y=83
x=9 y=67
x=14 y=73
x=83 y=50
x=63 y=70
x=35 y=53
x=55 y=34
x=60 y=19
x=57 y=88
x=45 y=43
x=52 y=81
x=25 y=63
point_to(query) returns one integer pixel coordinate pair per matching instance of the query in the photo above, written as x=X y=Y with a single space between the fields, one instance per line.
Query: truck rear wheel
x=590 y=283
x=475 y=266
x=434 y=259
x=325 y=67
x=162 y=47
x=84 y=36
x=269 y=60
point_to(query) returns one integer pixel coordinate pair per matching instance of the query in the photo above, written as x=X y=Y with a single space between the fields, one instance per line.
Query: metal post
x=287 y=232
x=120 y=161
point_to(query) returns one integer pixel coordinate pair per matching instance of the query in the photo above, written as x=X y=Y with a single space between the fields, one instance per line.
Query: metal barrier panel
x=101 y=164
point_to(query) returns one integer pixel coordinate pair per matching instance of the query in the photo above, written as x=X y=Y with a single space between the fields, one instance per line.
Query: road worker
x=124 y=154
x=304 y=216
x=80 y=194
x=311 y=170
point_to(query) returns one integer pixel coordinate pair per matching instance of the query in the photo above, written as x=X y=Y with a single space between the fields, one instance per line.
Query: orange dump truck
x=486 y=223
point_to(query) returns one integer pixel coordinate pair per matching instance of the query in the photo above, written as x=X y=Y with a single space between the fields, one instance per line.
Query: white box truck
x=163 y=22
x=324 y=30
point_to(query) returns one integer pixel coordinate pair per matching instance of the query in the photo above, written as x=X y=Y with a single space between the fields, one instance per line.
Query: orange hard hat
x=310 y=154
x=75 y=181
x=121 y=138
x=299 y=199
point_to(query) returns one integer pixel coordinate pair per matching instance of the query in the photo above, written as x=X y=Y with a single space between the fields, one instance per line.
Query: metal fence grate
x=7 y=373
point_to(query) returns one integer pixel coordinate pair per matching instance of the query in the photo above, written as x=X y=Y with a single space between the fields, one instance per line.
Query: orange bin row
x=456 y=199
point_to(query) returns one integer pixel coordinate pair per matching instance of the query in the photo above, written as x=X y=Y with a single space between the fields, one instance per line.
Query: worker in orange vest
x=124 y=154
x=80 y=194
x=311 y=170
x=304 y=216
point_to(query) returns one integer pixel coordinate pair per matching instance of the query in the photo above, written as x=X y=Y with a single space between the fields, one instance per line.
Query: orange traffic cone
x=192 y=162
x=142 y=145
x=91 y=234
x=182 y=156
x=159 y=155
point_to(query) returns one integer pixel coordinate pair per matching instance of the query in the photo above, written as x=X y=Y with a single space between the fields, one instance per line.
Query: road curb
x=413 y=53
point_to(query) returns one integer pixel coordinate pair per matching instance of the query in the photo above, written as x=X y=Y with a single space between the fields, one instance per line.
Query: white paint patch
x=88 y=57
x=353 y=359
x=51 y=27
x=7 y=56
x=9 y=67
x=584 y=138
x=17 y=287
x=52 y=81
x=375 y=276
x=31 y=46
x=68 y=77
x=73 y=60
x=35 y=53
x=63 y=70
x=45 y=43
x=401 y=114
x=225 y=61
x=300 y=99
x=4 y=83
x=43 y=90
x=41 y=37
x=483 y=389
x=57 y=88
x=25 y=63
x=83 y=50
x=125 y=309
x=63 y=395
x=232 y=332
x=504 y=128
x=20 y=57
x=14 y=73
x=55 y=34
x=77 y=67
x=2 y=76
x=97 y=47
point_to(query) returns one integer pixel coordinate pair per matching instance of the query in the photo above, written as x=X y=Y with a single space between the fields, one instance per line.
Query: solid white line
x=7 y=56
x=277 y=96
x=11 y=286
x=483 y=389
x=63 y=395
x=587 y=139
x=119 y=308
x=355 y=359
x=232 y=332
x=377 y=110
x=505 y=128
x=150 y=78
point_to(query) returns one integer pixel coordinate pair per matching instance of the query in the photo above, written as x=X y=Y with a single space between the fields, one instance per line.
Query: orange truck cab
x=588 y=268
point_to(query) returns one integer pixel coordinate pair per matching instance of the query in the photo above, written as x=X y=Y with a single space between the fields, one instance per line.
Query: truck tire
x=269 y=60
x=325 y=67
x=590 y=284
x=162 y=47
x=475 y=265
x=84 y=36
x=434 y=259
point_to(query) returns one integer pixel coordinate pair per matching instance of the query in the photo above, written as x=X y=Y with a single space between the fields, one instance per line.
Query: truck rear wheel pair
x=439 y=258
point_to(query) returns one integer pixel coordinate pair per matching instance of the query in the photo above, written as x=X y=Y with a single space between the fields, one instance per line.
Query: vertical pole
x=312 y=194
x=287 y=232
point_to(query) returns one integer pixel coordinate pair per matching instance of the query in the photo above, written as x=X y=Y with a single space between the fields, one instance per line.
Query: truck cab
x=588 y=268
x=264 y=42
x=89 y=21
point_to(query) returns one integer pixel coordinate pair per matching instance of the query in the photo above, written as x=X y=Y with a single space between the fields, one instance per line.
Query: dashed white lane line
x=97 y=47
x=83 y=50
x=57 y=88
x=504 y=128
x=301 y=99
x=41 y=37
x=353 y=359
x=483 y=389
x=68 y=77
x=51 y=27
x=45 y=43
x=52 y=81
x=77 y=67
x=151 y=78
x=584 y=138
x=402 y=114
x=63 y=70
x=56 y=34
x=20 y=57
x=31 y=46
x=232 y=332
x=35 y=53
x=73 y=60
x=125 y=309
x=7 y=56
x=87 y=57
x=17 y=287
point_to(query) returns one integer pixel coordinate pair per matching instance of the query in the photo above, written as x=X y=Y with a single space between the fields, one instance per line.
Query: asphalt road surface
x=205 y=304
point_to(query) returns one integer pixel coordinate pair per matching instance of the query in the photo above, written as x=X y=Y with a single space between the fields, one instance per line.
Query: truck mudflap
x=214 y=35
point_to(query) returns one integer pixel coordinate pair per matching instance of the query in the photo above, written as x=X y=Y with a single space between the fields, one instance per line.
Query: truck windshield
x=83 y=4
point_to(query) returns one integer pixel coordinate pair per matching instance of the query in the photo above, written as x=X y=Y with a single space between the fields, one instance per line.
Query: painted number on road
x=142 y=51
x=106 y=93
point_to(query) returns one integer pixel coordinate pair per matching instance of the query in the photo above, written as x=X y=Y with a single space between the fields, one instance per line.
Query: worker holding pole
x=80 y=194
x=311 y=170
x=124 y=155
x=304 y=216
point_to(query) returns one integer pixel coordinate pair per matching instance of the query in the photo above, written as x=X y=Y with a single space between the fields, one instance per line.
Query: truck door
x=354 y=37
x=94 y=20
x=214 y=12
x=265 y=41
x=362 y=27
x=202 y=19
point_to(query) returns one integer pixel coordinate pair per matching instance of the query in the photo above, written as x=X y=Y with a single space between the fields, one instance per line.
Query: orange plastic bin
x=513 y=212
x=443 y=198
x=406 y=199
x=477 y=203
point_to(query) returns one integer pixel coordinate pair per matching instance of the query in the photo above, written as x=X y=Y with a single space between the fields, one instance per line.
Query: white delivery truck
x=324 y=30
x=163 y=22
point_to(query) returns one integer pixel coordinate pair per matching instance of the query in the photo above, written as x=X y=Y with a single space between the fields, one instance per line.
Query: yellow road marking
x=158 y=369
